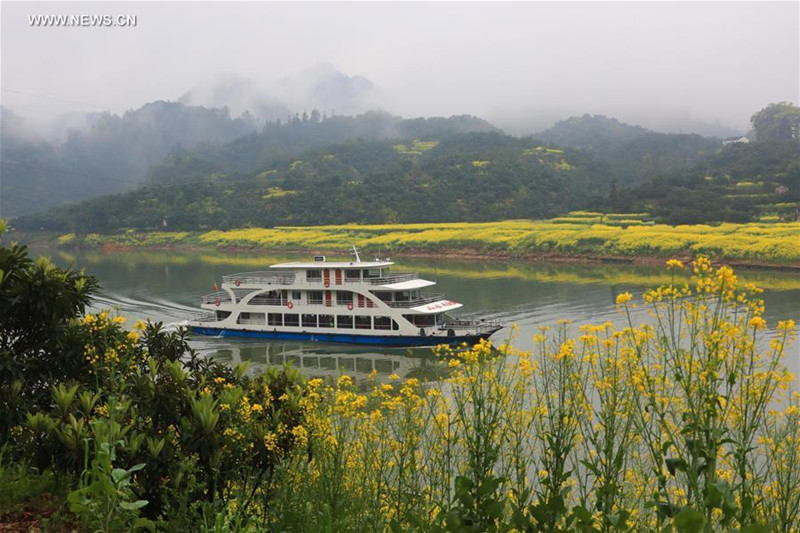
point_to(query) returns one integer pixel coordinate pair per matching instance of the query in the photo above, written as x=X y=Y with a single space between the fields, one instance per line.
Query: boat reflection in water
x=315 y=361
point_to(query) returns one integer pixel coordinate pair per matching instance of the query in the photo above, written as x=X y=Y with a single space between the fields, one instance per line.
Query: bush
x=132 y=420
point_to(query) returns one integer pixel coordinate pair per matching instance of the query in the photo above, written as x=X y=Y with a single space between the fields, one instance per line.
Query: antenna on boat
x=355 y=252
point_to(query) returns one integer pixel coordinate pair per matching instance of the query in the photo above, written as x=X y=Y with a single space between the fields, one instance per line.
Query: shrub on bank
x=136 y=429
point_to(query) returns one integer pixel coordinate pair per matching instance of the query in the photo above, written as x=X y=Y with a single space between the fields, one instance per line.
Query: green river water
x=167 y=285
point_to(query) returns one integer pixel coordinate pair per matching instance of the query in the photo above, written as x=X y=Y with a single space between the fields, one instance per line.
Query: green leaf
x=463 y=484
x=674 y=465
x=689 y=521
x=118 y=474
x=488 y=486
x=493 y=509
x=583 y=515
x=131 y=506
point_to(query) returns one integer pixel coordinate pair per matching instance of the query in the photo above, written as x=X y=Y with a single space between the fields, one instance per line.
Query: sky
x=521 y=65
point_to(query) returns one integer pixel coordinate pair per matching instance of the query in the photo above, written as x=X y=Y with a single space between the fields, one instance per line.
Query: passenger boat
x=357 y=302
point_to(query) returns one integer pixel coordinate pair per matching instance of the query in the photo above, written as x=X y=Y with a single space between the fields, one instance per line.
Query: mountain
x=739 y=183
x=279 y=141
x=112 y=154
x=635 y=154
x=591 y=132
x=478 y=176
x=321 y=87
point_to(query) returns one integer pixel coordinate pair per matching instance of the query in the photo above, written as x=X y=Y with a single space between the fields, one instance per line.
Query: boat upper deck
x=330 y=273
x=332 y=264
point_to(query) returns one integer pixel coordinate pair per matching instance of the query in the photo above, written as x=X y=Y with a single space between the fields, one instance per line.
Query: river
x=166 y=286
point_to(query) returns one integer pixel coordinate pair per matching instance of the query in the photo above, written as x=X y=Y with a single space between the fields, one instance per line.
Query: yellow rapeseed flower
x=674 y=263
x=624 y=298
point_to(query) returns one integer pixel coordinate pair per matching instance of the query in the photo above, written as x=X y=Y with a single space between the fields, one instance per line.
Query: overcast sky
x=521 y=65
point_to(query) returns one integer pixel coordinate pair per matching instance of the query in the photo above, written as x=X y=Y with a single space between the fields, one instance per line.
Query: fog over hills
x=320 y=87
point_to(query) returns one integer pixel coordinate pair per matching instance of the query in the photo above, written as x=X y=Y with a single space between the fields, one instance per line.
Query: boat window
x=291 y=319
x=363 y=322
x=274 y=319
x=222 y=315
x=344 y=297
x=309 y=321
x=314 y=297
x=421 y=320
x=395 y=326
x=297 y=295
x=268 y=298
x=344 y=321
x=402 y=296
x=383 y=322
x=372 y=273
x=352 y=275
x=384 y=296
x=326 y=321
x=314 y=275
x=251 y=318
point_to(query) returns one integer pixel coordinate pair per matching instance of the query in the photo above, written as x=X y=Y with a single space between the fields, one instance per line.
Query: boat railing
x=266 y=300
x=394 y=278
x=260 y=278
x=422 y=300
x=214 y=297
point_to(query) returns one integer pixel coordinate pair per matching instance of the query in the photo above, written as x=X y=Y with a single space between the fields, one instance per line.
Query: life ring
x=237 y=282
x=350 y=306
x=289 y=305
x=327 y=283
x=217 y=302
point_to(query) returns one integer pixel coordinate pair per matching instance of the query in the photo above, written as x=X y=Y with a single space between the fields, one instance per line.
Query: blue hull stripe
x=341 y=338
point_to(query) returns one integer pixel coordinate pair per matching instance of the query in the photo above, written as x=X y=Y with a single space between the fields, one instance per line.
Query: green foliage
x=38 y=336
x=777 y=122
x=720 y=187
x=85 y=399
x=108 y=156
x=104 y=500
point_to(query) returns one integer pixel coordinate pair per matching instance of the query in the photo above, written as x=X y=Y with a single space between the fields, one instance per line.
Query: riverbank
x=752 y=245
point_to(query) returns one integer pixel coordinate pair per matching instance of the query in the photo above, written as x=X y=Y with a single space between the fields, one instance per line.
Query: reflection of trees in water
x=200 y=264
x=317 y=362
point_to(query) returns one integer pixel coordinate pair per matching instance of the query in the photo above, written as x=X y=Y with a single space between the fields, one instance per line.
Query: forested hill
x=637 y=154
x=279 y=140
x=472 y=176
x=376 y=168
x=110 y=155
x=115 y=153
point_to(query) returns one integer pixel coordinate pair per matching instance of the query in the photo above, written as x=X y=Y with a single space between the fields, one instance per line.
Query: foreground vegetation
x=579 y=233
x=689 y=423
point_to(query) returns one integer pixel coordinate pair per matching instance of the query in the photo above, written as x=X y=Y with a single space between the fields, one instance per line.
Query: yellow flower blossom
x=624 y=298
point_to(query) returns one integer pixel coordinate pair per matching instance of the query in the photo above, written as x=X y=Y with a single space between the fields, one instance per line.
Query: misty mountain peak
x=320 y=86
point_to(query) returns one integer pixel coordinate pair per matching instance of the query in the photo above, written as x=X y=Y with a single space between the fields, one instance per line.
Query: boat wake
x=171 y=314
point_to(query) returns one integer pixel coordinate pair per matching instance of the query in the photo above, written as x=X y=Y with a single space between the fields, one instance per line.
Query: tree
x=777 y=122
x=39 y=303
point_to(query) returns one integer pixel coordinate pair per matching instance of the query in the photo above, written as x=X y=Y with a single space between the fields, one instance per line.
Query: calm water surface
x=167 y=286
